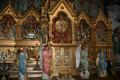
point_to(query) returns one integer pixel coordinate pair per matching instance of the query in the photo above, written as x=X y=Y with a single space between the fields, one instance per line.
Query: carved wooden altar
x=64 y=31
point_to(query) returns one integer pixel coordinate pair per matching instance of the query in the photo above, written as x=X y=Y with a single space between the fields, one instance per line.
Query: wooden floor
x=92 y=77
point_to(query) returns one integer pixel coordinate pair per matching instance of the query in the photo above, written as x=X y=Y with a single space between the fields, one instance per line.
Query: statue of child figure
x=101 y=63
x=46 y=53
x=22 y=64
x=82 y=60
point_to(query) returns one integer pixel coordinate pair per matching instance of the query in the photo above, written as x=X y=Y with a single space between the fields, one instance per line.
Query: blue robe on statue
x=102 y=61
x=22 y=63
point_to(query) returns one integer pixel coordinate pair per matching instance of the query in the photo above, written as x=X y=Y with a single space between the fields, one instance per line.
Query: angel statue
x=46 y=54
x=22 y=64
x=82 y=61
x=101 y=63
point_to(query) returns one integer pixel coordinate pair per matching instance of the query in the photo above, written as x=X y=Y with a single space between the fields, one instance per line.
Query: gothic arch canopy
x=31 y=12
x=8 y=10
x=101 y=17
x=83 y=28
x=102 y=26
x=61 y=29
x=84 y=16
x=62 y=6
x=7 y=27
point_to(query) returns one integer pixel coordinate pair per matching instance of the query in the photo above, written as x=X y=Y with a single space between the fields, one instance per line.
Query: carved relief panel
x=62 y=57
x=61 y=29
x=101 y=32
x=66 y=57
x=83 y=32
x=57 y=58
x=7 y=27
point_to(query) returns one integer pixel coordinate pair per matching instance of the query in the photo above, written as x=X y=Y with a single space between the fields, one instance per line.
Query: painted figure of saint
x=46 y=62
x=84 y=62
x=22 y=64
x=9 y=27
x=101 y=63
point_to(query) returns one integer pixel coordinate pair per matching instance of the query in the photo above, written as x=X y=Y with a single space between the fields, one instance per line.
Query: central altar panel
x=63 y=60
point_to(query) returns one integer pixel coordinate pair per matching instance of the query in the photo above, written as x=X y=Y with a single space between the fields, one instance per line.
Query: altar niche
x=101 y=32
x=30 y=28
x=7 y=28
x=61 y=29
x=83 y=32
x=34 y=30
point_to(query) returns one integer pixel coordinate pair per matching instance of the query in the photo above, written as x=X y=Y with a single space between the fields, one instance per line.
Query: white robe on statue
x=77 y=56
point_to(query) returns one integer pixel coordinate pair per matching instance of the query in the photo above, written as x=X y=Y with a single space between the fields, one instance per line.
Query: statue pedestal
x=102 y=75
x=85 y=75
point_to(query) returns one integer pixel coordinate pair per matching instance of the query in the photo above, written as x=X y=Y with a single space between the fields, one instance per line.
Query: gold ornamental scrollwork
x=58 y=58
x=66 y=58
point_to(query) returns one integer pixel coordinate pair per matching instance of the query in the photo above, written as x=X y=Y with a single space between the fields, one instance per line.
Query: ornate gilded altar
x=63 y=29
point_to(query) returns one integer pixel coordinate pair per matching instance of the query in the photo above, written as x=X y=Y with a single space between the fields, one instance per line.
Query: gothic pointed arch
x=63 y=7
x=83 y=29
x=8 y=10
x=31 y=12
x=101 y=27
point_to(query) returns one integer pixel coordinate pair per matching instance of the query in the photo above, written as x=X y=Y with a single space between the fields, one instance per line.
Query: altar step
x=30 y=74
x=92 y=68
x=116 y=68
x=32 y=71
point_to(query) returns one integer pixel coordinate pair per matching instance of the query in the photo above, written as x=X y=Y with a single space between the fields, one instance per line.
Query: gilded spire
x=47 y=3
